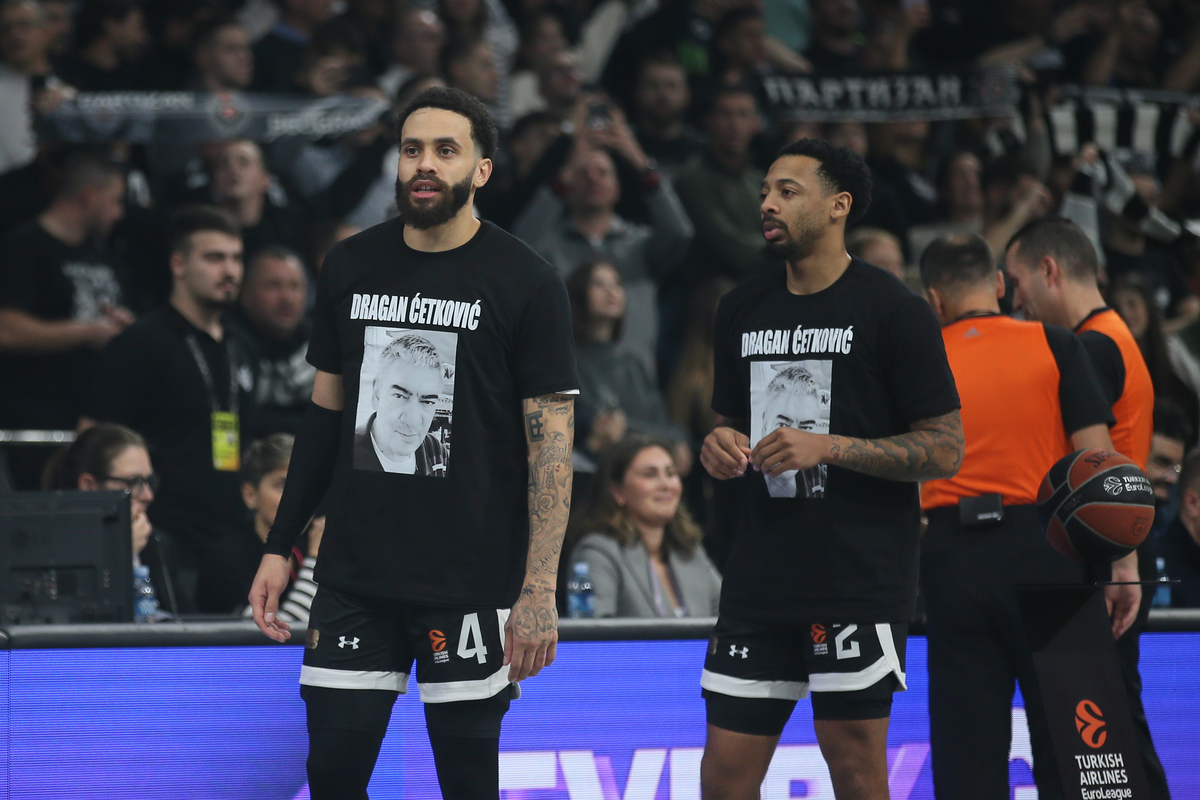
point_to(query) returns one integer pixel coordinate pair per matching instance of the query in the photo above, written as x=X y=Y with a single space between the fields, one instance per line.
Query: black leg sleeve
x=309 y=474
x=468 y=767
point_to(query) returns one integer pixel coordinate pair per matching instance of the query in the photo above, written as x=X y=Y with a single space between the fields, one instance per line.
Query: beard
x=798 y=243
x=439 y=211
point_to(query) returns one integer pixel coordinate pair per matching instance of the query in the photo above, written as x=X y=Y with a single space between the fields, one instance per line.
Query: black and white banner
x=1152 y=122
x=193 y=117
x=894 y=97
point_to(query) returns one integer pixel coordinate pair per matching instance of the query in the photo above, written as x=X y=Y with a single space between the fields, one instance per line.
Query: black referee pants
x=978 y=649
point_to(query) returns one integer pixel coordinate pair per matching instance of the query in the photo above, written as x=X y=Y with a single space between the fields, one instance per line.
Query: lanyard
x=206 y=374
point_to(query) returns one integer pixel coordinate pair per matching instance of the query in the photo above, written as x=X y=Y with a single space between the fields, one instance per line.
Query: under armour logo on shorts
x=734 y=651
x=352 y=642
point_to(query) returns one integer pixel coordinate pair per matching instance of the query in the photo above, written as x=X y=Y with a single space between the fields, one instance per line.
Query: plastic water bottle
x=580 y=604
x=1162 y=594
x=145 y=603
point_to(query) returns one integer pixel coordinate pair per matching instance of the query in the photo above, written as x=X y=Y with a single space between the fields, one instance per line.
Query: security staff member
x=1029 y=397
x=1053 y=267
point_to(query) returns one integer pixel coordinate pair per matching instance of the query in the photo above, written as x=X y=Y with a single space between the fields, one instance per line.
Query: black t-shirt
x=863 y=358
x=436 y=350
x=52 y=281
x=148 y=379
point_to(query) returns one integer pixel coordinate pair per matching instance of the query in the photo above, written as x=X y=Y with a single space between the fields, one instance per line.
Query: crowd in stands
x=147 y=288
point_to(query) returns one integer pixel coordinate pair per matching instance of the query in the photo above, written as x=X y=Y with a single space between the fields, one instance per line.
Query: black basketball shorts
x=852 y=669
x=359 y=643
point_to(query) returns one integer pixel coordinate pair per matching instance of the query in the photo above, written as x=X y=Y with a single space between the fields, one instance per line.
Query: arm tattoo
x=549 y=428
x=933 y=449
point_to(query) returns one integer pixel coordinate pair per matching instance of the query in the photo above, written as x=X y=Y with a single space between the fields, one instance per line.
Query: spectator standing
x=222 y=57
x=901 y=195
x=1132 y=299
x=180 y=379
x=272 y=321
x=109 y=38
x=113 y=458
x=280 y=54
x=617 y=392
x=575 y=223
x=960 y=203
x=61 y=299
x=542 y=38
x=470 y=65
x=641 y=546
x=232 y=563
x=835 y=43
x=1180 y=545
x=416 y=50
x=24 y=60
x=660 y=102
x=721 y=190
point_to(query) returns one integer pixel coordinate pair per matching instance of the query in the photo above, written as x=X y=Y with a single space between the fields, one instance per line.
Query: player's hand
x=725 y=453
x=531 y=633
x=785 y=449
x=1123 y=601
x=269 y=583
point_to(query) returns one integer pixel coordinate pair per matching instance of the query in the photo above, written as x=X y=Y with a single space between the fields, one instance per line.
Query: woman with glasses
x=110 y=457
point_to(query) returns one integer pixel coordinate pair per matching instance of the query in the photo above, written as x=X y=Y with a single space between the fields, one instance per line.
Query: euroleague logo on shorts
x=437 y=640
x=820 y=647
x=1089 y=721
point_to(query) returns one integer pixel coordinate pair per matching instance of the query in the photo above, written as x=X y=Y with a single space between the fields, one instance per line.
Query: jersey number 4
x=470 y=640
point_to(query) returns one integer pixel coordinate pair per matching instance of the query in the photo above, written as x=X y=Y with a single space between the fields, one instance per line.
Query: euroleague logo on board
x=1089 y=721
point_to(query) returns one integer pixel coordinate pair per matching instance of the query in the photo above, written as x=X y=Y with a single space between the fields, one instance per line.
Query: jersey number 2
x=840 y=644
x=471 y=633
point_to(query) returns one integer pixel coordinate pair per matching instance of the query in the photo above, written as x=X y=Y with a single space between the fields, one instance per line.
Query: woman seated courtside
x=112 y=458
x=234 y=558
x=641 y=546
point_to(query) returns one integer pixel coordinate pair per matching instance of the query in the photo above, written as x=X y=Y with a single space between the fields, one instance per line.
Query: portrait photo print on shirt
x=405 y=401
x=791 y=394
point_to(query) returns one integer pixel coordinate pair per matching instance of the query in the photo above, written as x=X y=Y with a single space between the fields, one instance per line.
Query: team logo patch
x=1089 y=721
x=313 y=637
x=437 y=640
x=1113 y=485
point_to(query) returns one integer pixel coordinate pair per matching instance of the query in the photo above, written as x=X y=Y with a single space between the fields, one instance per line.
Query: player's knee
x=476 y=719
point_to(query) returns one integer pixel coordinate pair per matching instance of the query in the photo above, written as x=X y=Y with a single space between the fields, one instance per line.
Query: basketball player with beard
x=819 y=589
x=454 y=568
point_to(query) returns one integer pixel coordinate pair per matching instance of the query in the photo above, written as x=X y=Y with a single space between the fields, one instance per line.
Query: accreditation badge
x=226 y=441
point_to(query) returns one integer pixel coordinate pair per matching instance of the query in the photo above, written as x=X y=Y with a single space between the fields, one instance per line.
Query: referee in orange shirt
x=1029 y=396
x=1054 y=269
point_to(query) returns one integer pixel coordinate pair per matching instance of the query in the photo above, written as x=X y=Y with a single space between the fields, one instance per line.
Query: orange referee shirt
x=1024 y=388
x=1124 y=376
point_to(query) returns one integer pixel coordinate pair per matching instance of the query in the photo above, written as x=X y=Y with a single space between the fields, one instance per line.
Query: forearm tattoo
x=933 y=449
x=550 y=428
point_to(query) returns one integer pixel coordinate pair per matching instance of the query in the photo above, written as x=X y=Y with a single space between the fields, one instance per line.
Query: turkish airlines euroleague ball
x=1095 y=506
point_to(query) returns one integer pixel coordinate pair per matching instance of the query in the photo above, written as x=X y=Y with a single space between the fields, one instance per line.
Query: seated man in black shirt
x=109 y=37
x=179 y=377
x=61 y=299
x=407 y=390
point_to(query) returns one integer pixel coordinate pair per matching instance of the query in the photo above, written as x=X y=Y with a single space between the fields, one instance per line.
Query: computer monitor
x=65 y=557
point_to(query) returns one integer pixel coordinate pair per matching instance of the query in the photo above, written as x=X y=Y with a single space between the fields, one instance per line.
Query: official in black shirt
x=821 y=579
x=1029 y=397
x=179 y=378
x=440 y=434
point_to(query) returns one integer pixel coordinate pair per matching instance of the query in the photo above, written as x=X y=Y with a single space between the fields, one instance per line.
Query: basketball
x=1095 y=506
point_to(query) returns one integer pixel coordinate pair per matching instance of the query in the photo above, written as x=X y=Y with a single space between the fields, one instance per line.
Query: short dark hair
x=718 y=93
x=957 y=261
x=191 y=220
x=530 y=120
x=659 y=58
x=207 y=30
x=1170 y=421
x=86 y=168
x=483 y=127
x=1062 y=240
x=459 y=49
x=842 y=170
x=732 y=18
x=266 y=456
x=277 y=251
